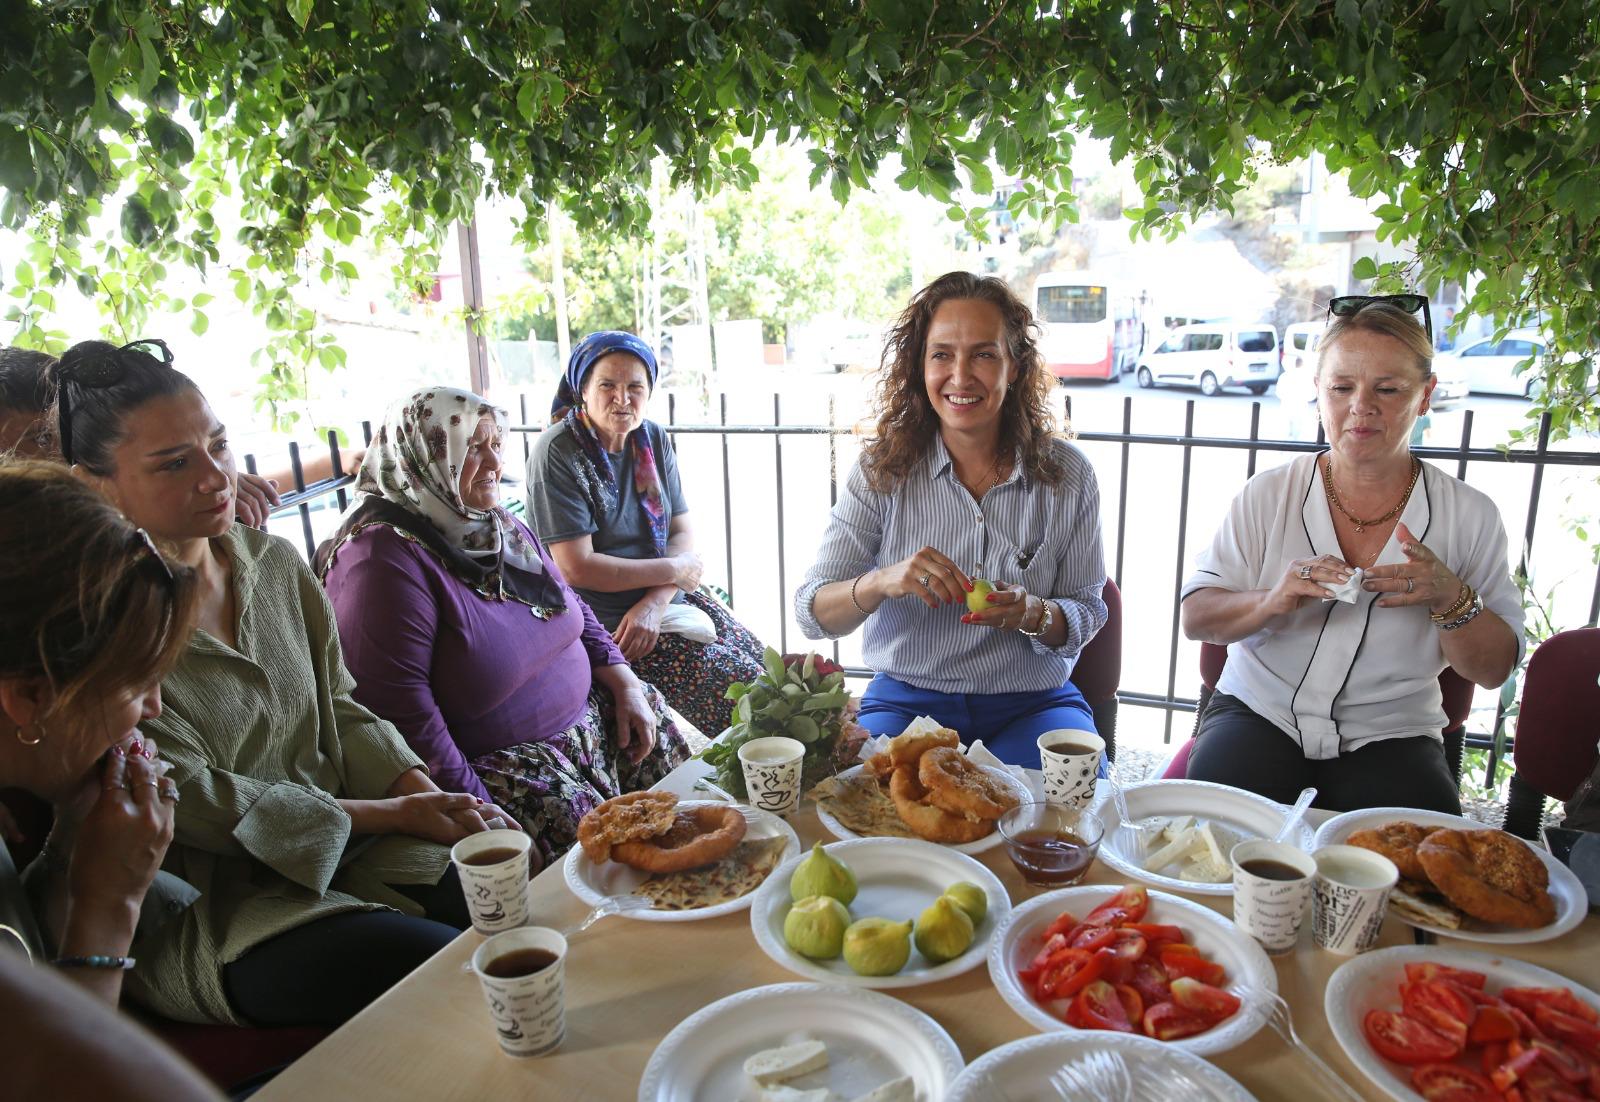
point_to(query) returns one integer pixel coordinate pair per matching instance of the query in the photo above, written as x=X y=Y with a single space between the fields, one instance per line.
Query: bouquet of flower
x=799 y=696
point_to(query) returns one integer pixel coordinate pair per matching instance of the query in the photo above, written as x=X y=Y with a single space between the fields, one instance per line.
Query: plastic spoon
x=1296 y=813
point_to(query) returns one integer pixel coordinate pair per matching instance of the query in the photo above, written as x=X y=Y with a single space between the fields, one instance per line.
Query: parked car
x=1212 y=355
x=1489 y=366
x=1450 y=381
x=1300 y=343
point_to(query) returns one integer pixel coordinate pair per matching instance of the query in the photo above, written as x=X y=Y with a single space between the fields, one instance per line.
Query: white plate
x=1566 y=890
x=987 y=842
x=593 y=883
x=871 y=1039
x=1246 y=813
x=1157 y=1068
x=1372 y=980
x=1217 y=937
x=895 y=878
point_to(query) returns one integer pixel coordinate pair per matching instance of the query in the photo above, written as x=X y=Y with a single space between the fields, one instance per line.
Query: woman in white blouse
x=1344 y=582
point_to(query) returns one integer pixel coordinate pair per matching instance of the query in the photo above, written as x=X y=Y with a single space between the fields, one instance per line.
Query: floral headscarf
x=597 y=474
x=410 y=480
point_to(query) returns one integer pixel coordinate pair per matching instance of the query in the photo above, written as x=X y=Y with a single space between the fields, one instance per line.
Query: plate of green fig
x=879 y=912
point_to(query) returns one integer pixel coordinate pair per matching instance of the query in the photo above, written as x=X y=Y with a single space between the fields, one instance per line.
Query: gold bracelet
x=1462 y=601
x=855 y=582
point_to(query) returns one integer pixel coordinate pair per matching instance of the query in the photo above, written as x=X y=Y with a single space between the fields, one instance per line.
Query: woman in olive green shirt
x=315 y=840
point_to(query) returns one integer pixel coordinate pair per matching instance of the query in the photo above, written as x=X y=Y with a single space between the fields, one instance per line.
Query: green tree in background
x=290 y=127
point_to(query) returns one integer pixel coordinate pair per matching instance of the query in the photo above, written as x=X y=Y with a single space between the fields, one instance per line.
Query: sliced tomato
x=1449 y=1083
x=1406 y=1040
x=1202 y=998
x=1424 y=971
x=1085 y=936
x=1515 y=1069
x=1052 y=945
x=1493 y=1055
x=1543 y=1085
x=1155 y=933
x=1567 y=1027
x=1098 y=1007
x=1150 y=980
x=1125 y=949
x=1564 y=1063
x=1473 y=995
x=1493 y=1024
x=1132 y=1004
x=1128 y=905
x=1067 y=973
x=1064 y=922
x=1439 y=1006
x=1557 y=998
x=1530 y=1029
x=1169 y=1021
x=1185 y=960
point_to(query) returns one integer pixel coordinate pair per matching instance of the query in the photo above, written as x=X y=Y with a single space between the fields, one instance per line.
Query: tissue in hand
x=1349 y=591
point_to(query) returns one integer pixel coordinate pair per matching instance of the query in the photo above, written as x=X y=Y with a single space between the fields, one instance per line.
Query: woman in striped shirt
x=967 y=478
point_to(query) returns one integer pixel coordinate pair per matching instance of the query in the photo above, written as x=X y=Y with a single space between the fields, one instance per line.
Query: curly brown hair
x=907 y=423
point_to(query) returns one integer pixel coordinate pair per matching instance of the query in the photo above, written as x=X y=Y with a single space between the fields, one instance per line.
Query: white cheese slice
x=1176 y=850
x=780 y=1093
x=895 y=1090
x=778 y=1064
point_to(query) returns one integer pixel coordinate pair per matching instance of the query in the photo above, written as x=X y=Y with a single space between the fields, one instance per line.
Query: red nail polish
x=117 y=750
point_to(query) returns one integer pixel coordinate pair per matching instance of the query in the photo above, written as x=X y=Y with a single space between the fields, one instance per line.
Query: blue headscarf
x=596 y=474
x=570 y=393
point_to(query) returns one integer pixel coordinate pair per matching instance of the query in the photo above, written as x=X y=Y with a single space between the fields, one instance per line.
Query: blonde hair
x=84 y=602
x=1385 y=319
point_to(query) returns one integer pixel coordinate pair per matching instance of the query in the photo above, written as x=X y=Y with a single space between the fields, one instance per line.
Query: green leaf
x=199 y=323
x=1364 y=268
x=299 y=11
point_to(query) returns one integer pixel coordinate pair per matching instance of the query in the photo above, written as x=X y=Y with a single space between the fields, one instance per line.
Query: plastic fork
x=1136 y=832
x=1099 y=1075
x=613 y=905
x=1282 y=1023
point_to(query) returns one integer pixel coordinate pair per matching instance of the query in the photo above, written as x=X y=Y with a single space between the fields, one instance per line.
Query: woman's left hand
x=1009 y=607
x=640 y=628
x=1421 y=580
x=636 y=723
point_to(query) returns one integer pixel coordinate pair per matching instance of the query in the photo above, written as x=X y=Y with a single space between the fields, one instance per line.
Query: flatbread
x=860 y=804
x=736 y=875
x=1421 y=903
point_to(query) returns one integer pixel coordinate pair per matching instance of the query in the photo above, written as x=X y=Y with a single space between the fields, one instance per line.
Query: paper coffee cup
x=1070 y=761
x=772 y=773
x=1350 y=895
x=1271 y=895
x=493 y=869
x=523 y=974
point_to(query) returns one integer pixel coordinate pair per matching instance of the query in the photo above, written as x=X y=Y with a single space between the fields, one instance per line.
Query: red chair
x=227 y=1055
x=1455 y=689
x=1099 y=669
x=1556 y=726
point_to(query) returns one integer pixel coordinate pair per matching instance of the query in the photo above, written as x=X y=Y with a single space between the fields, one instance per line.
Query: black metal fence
x=304 y=498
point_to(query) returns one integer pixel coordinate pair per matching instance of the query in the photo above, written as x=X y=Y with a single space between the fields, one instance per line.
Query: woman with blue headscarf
x=604 y=496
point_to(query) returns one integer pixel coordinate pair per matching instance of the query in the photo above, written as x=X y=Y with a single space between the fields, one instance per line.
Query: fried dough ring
x=698 y=836
x=1490 y=875
x=880 y=766
x=925 y=820
x=962 y=787
x=624 y=818
x=906 y=749
x=1398 y=842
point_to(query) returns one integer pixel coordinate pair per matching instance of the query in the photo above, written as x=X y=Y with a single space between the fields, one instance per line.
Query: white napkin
x=977 y=752
x=1349 y=591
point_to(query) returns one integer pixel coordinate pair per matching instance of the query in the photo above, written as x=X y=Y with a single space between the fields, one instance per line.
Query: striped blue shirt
x=1044 y=538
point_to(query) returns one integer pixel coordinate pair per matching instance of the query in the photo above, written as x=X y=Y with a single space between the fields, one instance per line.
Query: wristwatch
x=1045 y=621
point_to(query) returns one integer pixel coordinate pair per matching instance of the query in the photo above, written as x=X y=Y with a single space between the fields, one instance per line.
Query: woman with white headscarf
x=461 y=631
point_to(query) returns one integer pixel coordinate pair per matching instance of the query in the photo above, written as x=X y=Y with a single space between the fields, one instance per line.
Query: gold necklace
x=1363 y=525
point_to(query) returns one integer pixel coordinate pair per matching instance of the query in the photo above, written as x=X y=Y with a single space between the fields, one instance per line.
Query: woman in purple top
x=461 y=632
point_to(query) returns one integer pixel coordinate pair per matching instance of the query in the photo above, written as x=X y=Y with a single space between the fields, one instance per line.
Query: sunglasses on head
x=1345 y=306
x=97 y=373
x=144 y=548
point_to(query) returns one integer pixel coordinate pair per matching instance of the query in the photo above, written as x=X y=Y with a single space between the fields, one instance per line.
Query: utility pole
x=558 y=281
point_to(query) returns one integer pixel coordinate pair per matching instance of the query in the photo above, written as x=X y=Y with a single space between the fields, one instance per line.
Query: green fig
x=820 y=874
x=815 y=926
x=970 y=898
x=978 y=597
x=943 y=931
x=877 y=946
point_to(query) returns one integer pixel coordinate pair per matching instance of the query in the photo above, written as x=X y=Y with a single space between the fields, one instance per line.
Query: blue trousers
x=1008 y=723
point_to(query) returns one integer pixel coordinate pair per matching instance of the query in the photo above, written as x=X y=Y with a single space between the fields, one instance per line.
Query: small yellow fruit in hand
x=978 y=599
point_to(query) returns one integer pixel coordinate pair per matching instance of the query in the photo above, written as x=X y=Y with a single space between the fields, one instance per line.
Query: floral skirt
x=549 y=786
x=694 y=677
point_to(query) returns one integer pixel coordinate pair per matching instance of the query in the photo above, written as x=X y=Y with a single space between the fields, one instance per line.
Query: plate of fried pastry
x=921 y=786
x=692 y=859
x=1462 y=879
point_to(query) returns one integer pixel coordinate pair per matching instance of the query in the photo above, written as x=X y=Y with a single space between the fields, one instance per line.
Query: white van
x=1212 y=355
x=1300 y=343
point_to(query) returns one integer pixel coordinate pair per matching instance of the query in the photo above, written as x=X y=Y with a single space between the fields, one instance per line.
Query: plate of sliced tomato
x=1131 y=960
x=1455 y=1025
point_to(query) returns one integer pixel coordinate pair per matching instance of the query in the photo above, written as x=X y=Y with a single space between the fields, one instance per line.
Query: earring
x=32 y=742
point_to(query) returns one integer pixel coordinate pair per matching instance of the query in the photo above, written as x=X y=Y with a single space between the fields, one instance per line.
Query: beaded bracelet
x=1463 y=601
x=855 y=582
x=117 y=964
x=1466 y=617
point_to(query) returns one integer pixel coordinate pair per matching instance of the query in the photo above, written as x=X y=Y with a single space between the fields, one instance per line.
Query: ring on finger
x=1305 y=571
x=169 y=792
x=1410 y=585
x=923 y=581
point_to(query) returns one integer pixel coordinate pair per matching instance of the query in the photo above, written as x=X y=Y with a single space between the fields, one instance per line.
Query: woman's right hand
x=930 y=576
x=443 y=817
x=1305 y=580
x=687 y=569
x=118 y=847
